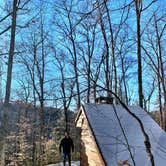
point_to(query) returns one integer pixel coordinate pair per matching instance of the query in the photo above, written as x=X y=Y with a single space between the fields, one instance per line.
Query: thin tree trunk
x=107 y=66
x=91 y=46
x=11 y=54
x=112 y=48
x=66 y=119
x=3 y=152
x=64 y=100
x=76 y=74
x=138 y=4
x=89 y=72
x=161 y=70
x=124 y=79
x=75 y=63
x=41 y=73
x=94 y=91
x=160 y=103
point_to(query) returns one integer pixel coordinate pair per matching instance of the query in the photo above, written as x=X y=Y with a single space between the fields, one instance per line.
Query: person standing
x=67 y=145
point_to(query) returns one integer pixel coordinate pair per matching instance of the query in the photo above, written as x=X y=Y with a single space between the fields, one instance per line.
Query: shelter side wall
x=89 y=153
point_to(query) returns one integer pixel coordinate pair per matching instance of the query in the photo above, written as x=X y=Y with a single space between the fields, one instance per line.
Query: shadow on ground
x=74 y=163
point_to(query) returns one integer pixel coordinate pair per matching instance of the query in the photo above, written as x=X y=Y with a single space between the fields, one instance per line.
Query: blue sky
x=57 y=39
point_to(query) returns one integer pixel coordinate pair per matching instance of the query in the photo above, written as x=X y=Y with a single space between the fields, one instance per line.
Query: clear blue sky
x=52 y=73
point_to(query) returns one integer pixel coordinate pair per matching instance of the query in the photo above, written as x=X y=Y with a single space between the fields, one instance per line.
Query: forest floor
x=74 y=163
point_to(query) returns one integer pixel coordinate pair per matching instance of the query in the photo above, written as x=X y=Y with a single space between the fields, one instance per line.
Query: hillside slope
x=21 y=141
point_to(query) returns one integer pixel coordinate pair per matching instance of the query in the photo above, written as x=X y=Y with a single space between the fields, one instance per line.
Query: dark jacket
x=67 y=145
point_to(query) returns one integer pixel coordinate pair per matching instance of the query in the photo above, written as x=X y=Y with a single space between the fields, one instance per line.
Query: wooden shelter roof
x=117 y=134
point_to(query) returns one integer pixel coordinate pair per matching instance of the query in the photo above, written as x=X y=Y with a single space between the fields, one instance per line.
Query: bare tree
x=87 y=50
x=35 y=64
x=24 y=91
x=66 y=85
x=155 y=54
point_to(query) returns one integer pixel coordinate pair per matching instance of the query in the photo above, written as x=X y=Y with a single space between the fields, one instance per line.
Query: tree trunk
x=161 y=68
x=124 y=78
x=138 y=5
x=160 y=103
x=76 y=73
x=107 y=66
x=112 y=49
x=2 y=158
x=89 y=74
x=11 y=54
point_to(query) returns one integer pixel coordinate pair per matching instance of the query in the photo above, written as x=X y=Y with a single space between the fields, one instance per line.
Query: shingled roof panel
x=103 y=119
